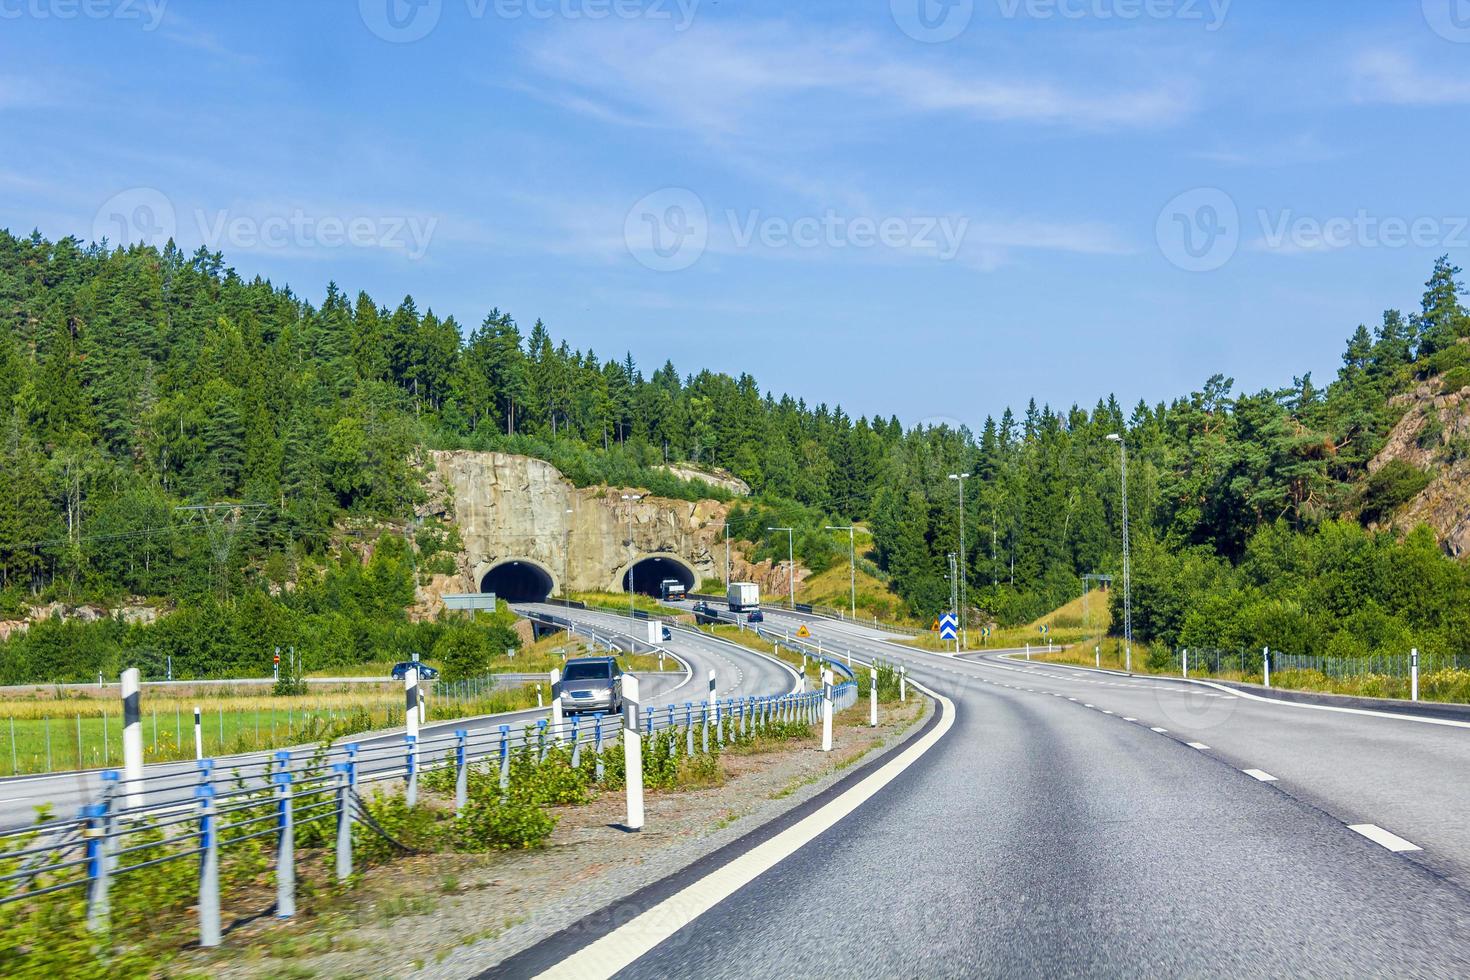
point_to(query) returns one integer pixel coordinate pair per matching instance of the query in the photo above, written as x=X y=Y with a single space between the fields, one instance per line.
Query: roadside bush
x=551 y=781
x=493 y=823
x=416 y=827
x=887 y=682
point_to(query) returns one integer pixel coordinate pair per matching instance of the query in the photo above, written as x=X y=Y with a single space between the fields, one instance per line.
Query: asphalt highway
x=1055 y=830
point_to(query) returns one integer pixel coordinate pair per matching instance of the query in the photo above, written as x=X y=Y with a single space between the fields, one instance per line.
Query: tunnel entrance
x=518 y=581
x=648 y=574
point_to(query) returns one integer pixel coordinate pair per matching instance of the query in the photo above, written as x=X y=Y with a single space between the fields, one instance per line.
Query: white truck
x=743 y=597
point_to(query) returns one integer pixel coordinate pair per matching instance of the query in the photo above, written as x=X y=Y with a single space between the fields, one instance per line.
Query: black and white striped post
x=556 y=715
x=198 y=733
x=873 y=697
x=1266 y=664
x=1183 y=663
x=632 y=752
x=714 y=704
x=826 y=709
x=1414 y=674
x=132 y=736
x=903 y=683
x=411 y=733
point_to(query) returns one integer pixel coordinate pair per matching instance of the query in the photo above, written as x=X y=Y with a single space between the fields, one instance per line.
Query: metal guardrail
x=171 y=816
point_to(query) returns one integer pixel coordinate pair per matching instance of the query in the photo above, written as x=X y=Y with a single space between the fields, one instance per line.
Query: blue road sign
x=949 y=626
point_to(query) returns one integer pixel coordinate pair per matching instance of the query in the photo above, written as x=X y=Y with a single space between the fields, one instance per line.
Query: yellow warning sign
x=935 y=627
x=803 y=632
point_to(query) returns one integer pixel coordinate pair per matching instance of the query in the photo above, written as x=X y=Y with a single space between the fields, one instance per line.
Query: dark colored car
x=755 y=616
x=592 y=684
x=426 y=673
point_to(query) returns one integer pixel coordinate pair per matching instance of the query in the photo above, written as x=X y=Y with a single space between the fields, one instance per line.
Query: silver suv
x=592 y=684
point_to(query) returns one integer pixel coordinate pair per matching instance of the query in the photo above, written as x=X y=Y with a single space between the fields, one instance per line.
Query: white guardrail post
x=344 y=817
x=903 y=683
x=198 y=733
x=826 y=709
x=1266 y=664
x=873 y=697
x=209 y=928
x=462 y=771
x=286 y=841
x=132 y=737
x=1184 y=663
x=632 y=752
x=1414 y=674
x=556 y=715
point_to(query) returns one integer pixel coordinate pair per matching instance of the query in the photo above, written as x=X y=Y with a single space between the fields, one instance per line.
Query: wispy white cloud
x=1292 y=151
x=724 y=81
x=1384 y=75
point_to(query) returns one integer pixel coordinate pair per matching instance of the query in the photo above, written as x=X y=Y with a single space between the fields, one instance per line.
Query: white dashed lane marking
x=1159 y=730
x=1383 y=838
x=1197 y=745
x=1260 y=774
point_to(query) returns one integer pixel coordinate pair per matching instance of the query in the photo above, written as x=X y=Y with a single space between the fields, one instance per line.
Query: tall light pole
x=631 y=498
x=1127 y=595
x=790 y=561
x=851 y=562
x=960 y=478
x=954 y=591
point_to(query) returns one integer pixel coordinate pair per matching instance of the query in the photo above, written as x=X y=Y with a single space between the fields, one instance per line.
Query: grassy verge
x=618 y=602
x=85 y=732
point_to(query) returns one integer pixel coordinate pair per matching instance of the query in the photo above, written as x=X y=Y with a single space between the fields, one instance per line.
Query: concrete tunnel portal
x=647 y=574
x=518 y=580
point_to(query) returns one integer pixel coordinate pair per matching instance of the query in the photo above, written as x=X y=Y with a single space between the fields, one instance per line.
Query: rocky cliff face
x=518 y=508
x=1434 y=435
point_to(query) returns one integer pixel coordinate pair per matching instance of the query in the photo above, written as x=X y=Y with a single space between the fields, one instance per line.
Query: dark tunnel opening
x=517 y=581
x=646 y=576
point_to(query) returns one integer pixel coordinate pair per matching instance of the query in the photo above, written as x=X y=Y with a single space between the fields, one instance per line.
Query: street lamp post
x=1127 y=595
x=851 y=562
x=632 y=552
x=960 y=478
x=790 y=561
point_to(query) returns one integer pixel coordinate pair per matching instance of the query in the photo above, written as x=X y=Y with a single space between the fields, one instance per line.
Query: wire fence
x=1211 y=661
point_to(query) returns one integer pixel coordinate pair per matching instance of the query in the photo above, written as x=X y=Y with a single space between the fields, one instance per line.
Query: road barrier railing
x=211 y=812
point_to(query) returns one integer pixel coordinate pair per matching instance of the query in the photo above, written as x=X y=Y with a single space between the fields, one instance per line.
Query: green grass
x=48 y=736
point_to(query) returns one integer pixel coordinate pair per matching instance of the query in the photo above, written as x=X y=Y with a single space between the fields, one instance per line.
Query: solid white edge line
x=1260 y=774
x=1383 y=838
x=637 y=937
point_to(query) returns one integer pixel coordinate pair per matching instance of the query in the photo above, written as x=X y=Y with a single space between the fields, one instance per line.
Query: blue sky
x=929 y=211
